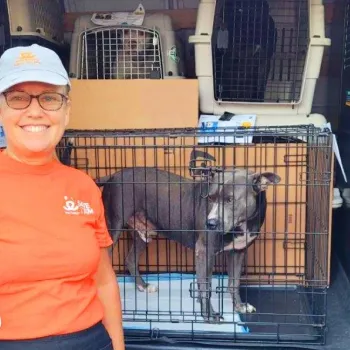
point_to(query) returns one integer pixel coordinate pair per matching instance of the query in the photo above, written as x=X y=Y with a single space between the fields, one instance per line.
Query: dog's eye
x=229 y=200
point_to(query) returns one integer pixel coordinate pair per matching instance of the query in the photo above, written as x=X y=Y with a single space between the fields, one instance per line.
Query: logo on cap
x=26 y=58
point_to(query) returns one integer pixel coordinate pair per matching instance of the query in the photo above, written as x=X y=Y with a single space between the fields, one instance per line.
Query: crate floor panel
x=172 y=308
x=282 y=313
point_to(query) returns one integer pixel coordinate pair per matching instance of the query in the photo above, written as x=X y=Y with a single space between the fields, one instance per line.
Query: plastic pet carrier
x=35 y=21
x=105 y=47
x=260 y=57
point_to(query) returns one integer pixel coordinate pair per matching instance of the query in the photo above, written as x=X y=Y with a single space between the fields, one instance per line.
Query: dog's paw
x=149 y=288
x=214 y=318
x=245 y=308
x=217 y=318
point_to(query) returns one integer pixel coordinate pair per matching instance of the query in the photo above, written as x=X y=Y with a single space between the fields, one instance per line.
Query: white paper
x=336 y=151
x=209 y=123
x=120 y=18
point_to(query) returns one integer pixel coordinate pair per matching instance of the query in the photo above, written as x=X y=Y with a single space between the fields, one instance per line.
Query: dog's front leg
x=132 y=263
x=234 y=271
x=204 y=268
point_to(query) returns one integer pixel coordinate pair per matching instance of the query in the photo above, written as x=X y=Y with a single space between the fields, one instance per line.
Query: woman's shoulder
x=75 y=174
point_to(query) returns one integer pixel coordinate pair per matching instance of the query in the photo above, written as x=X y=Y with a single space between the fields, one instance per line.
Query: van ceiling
x=126 y=5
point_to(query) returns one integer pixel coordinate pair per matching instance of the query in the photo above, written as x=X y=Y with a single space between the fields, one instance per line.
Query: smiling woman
x=34 y=119
x=60 y=266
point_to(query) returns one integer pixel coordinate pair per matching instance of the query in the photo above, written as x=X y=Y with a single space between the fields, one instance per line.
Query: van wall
x=127 y=5
x=327 y=94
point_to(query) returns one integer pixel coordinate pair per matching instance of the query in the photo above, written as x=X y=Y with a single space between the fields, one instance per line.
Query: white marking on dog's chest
x=238 y=243
x=228 y=247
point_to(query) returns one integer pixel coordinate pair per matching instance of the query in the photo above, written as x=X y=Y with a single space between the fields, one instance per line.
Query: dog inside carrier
x=147 y=50
x=214 y=242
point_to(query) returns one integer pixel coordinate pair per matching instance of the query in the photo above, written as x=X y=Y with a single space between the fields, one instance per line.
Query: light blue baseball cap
x=32 y=63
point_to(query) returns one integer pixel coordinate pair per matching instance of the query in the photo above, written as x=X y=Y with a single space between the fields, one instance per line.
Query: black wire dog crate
x=285 y=270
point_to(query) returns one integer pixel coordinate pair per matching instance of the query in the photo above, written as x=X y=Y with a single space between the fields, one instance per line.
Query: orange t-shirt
x=52 y=227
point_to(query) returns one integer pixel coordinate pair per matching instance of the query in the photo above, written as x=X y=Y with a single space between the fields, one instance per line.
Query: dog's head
x=134 y=40
x=232 y=197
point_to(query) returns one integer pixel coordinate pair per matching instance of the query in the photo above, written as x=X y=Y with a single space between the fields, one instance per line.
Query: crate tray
x=283 y=313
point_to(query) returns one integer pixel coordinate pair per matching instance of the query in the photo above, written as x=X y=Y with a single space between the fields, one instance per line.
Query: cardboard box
x=131 y=104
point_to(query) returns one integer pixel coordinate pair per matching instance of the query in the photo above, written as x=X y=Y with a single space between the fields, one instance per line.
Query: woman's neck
x=41 y=159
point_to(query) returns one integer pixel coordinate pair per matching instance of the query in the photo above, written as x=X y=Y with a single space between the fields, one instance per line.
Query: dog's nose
x=212 y=224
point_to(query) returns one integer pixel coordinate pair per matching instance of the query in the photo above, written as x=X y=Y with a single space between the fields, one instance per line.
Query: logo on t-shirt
x=78 y=207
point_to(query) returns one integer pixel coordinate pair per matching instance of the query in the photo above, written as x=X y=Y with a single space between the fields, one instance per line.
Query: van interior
x=171 y=96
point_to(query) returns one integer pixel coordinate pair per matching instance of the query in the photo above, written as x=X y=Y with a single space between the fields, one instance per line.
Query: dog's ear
x=261 y=181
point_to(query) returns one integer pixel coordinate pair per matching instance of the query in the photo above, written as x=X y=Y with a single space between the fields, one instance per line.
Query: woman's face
x=33 y=131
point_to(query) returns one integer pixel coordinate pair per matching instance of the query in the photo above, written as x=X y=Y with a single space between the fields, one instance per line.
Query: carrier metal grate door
x=259 y=50
x=120 y=53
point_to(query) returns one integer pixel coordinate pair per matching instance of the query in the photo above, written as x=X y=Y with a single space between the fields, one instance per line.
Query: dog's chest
x=228 y=243
x=238 y=241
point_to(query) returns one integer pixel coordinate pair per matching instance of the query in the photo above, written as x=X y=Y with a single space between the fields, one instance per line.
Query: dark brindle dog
x=174 y=206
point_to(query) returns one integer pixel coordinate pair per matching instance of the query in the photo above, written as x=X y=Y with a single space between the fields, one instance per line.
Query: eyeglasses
x=50 y=101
